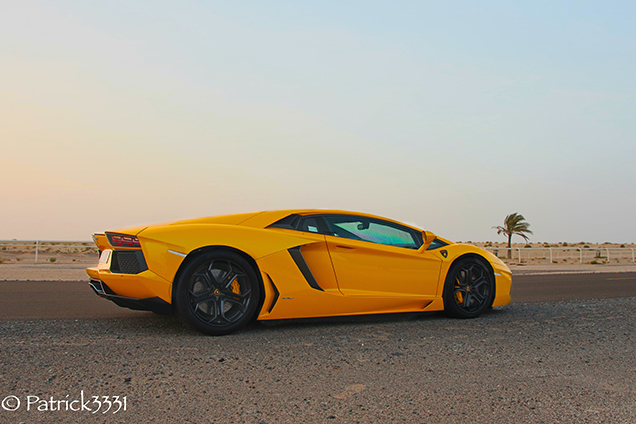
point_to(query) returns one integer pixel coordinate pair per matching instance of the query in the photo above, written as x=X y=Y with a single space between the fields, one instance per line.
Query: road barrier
x=38 y=245
x=520 y=254
x=564 y=253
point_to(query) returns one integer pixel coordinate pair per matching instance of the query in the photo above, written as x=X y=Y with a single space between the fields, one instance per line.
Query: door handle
x=344 y=247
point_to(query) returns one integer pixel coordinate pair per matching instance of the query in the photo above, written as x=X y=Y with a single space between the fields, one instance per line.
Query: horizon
x=568 y=244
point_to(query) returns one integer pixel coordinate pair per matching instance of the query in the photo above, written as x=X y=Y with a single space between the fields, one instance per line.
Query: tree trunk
x=509 y=246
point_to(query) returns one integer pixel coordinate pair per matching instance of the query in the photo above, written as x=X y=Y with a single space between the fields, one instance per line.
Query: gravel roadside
x=550 y=362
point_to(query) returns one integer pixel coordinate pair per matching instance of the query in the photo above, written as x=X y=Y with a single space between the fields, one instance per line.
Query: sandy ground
x=44 y=272
x=64 y=261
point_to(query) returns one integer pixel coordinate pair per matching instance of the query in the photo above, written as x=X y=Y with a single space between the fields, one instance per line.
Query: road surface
x=74 y=299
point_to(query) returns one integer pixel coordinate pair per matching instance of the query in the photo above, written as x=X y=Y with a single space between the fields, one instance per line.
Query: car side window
x=308 y=224
x=373 y=230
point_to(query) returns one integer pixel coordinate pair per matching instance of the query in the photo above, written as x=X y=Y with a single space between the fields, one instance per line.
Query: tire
x=469 y=288
x=217 y=293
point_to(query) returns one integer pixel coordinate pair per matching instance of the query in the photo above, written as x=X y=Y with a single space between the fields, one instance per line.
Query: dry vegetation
x=14 y=252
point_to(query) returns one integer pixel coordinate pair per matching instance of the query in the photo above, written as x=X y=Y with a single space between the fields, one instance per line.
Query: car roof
x=266 y=218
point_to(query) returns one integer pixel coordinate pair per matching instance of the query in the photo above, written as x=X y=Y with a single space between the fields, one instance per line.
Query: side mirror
x=428 y=238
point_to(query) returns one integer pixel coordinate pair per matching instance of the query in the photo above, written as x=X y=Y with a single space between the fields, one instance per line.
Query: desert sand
x=67 y=261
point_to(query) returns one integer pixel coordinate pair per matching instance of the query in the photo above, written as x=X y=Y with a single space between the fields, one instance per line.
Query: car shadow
x=149 y=324
x=361 y=320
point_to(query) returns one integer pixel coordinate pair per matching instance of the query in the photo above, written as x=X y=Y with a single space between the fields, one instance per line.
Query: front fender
x=502 y=274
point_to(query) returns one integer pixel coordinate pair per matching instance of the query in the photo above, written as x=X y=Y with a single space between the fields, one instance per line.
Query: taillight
x=120 y=240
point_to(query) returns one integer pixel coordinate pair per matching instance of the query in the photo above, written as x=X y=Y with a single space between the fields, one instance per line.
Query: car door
x=312 y=258
x=372 y=257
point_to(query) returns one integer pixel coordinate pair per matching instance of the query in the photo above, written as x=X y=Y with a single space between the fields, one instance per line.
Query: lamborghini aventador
x=218 y=273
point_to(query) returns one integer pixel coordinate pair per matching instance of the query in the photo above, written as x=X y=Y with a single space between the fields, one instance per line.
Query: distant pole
x=37 y=245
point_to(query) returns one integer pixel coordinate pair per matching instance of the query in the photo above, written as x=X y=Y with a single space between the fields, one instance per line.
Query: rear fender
x=166 y=247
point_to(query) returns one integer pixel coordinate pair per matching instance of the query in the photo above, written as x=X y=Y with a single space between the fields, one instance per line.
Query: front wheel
x=469 y=288
x=217 y=292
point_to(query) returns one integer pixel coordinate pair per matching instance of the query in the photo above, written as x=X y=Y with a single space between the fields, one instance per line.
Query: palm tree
x=514 y=224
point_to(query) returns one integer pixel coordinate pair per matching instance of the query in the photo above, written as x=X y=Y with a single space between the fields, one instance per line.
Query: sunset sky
x=447 y=115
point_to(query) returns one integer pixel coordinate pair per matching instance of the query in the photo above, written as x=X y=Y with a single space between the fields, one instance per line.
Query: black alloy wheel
x=217 y=292
x=469 y=289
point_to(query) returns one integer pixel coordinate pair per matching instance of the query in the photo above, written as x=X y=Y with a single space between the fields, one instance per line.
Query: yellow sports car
x=219 y=273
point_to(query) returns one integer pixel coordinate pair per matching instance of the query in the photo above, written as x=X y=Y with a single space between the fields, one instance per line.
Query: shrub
x=594 y=262
x=52 y=259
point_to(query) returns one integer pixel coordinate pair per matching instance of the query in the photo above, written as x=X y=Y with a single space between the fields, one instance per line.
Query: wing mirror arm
x=428 y=238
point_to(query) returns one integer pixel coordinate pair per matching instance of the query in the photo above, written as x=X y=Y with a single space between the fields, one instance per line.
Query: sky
x=444 y=115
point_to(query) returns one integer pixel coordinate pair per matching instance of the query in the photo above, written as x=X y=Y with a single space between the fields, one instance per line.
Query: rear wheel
x=469 y=288
x=217 y=293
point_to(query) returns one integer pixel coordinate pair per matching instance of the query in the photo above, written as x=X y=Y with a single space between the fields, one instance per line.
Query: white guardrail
x=554 y=253
x=551 y=254
x=37 y=245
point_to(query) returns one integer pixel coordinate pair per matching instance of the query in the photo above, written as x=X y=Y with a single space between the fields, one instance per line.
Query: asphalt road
x=75 y=300
x=555 y=287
